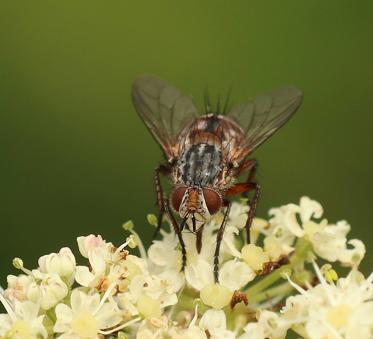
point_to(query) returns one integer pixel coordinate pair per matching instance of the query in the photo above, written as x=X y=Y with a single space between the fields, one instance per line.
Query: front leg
x=219 y=239
x=166 y=171
x=178 y=233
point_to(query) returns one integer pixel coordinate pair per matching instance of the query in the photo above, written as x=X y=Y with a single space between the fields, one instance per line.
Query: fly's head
x=195 y=205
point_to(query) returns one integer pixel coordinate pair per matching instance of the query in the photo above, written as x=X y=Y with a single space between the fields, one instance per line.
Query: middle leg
x=219 y=239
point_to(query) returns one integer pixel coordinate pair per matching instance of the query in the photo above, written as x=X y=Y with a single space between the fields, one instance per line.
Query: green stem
x=302 y=248
x=51 y=315
x=284 y=290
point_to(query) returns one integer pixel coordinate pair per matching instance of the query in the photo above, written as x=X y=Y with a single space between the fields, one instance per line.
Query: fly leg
x=253 y=203
x=244 y=188
x=164 y=170
x=199 y=239
x=219 y=238
x=178 y=233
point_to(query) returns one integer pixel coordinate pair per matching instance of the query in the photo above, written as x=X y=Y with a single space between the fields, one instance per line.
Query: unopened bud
x=148 y=306
x=254 y=256
x=216 y=296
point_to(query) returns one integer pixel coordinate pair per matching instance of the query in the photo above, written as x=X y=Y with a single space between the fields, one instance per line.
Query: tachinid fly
x=206 y=153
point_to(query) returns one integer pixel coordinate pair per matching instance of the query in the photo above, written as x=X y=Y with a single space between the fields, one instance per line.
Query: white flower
x=215 y=322
x=341 y=310
x=107 y=265
x=62 y=263
x=90 y=242
x=165 y=256
x=163 y=291
x=329 y=241
x=48 y=289
x=148 y=297
x=18 y=287
x=235 y=274
x=87 y=317
x=268 y=325
x=98 y=257
x=23 y=322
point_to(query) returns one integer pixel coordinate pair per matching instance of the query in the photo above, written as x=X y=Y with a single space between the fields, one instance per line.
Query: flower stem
x=284 y=290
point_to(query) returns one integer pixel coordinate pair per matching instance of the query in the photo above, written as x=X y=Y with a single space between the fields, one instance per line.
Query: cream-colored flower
x=269 y=325
x=18 y=287
x=108 y=265
x=163 y=291
x=90 y=242
x=215 y=322
x=62 y=263
x=216 y=295
x=235 y=274
x=165 y=254
x=254 y=256
x=48 y=289
x=99 y=257
x=22 y=322
x=87 y=316
x=329 y=241
x=328 y=310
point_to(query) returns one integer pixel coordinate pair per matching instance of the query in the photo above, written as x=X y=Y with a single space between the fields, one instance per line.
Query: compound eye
x=213 y=200
x=177 y=197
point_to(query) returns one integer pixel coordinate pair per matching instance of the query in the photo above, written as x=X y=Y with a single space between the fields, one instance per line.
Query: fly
x=206 y=153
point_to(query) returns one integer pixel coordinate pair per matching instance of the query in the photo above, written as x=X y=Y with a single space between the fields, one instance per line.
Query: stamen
x=106 y=296
x=118 y=328
x=18 y=264
x=195 y=316
x=296 y=286
x=322 y=281
x=121 y=247
x=8 y=307
x=140 y=244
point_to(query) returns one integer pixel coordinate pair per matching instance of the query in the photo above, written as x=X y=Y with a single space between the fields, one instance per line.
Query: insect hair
x=219 y=109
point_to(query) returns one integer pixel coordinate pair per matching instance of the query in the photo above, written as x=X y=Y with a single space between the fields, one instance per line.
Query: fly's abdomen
x=200 y=164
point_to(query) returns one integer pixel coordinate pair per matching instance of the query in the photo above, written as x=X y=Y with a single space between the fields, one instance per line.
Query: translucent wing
x=164 y=110
x=263 y=116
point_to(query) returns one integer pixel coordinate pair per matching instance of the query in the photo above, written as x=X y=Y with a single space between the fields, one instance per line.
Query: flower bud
x=62 y=263
x=89 y=242
x=49 y=290
x=148 y=306
x=216 y=295
x=254 y=256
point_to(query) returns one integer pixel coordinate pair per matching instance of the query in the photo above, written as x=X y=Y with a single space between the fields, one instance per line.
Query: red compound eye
x=213 y=200
x=177 y=197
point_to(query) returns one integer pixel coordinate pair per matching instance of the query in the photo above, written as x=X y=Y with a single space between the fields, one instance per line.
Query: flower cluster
x=266 y=289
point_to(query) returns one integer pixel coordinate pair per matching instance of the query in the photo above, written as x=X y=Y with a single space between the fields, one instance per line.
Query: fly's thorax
x=200 y=164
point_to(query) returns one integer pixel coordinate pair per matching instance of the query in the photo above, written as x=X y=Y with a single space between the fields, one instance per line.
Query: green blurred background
x=76 y=159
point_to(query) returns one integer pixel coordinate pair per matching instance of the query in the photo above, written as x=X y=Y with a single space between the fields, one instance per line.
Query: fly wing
x=263 y=116
x=164 y=110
